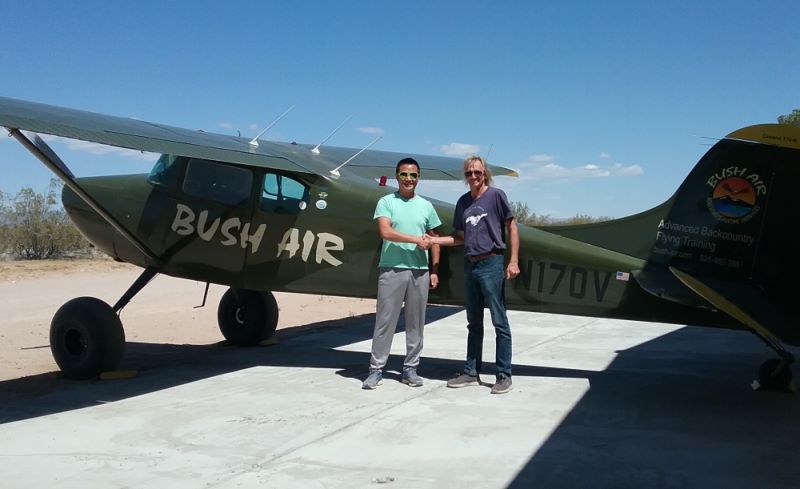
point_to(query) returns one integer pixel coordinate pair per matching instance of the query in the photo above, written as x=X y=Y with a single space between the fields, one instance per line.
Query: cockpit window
x=283 y=194
x=165 y=171
x=216 y=181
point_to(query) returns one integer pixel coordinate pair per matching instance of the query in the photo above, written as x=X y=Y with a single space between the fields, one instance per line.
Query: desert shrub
x=34 y=226
x=523 y=215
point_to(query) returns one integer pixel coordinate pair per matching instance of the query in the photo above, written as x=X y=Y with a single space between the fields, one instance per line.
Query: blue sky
x=603 y=107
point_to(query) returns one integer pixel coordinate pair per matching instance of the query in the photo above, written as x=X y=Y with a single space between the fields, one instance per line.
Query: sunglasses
x=404 y=175
x=477 y=173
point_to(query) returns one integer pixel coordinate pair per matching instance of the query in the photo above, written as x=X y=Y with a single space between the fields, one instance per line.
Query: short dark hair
x=406 y=161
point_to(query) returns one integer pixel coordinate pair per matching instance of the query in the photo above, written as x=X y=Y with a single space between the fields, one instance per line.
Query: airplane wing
x=159 y=138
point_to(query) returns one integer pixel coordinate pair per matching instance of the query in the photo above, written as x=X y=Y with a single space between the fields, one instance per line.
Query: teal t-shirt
x=412 y=216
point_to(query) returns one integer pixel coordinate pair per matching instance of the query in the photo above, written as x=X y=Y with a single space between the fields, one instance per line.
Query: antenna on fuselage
x=335 y=171
x=316 y=148
x=254 y=141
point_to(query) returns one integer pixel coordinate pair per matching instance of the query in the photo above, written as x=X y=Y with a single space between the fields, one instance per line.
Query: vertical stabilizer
x=731 y=221
x=738 y=196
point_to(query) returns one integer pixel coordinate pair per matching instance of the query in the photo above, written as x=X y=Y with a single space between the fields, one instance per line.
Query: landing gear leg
x=144 y=279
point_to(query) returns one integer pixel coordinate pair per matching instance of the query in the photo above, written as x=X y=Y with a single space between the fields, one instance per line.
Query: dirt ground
x=29 y=269
x=164 y=312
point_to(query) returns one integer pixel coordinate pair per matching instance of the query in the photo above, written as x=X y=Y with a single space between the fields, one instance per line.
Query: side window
x=227 y=184
x=165 y=171
x=283 y=194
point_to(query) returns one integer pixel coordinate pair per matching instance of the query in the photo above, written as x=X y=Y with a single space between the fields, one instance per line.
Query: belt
x=477 y=258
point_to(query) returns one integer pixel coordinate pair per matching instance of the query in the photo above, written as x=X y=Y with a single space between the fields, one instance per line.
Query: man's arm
x=435 y=254
x=512 y=270
x=455 y=239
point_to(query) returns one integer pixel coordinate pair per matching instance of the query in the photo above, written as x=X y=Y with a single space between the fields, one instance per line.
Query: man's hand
x=434 y=280
x=512 y=270
x=425 y=242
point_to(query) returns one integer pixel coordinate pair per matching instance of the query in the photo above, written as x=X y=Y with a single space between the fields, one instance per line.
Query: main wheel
x=86 y=338
x=775 y=374
x=247 y=317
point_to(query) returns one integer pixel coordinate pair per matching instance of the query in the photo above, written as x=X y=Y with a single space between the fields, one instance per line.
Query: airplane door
x=282 y=205
x=203 y=224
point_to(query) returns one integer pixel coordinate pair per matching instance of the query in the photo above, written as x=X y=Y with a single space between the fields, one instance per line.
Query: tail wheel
x=86 y=338
x=247 y=317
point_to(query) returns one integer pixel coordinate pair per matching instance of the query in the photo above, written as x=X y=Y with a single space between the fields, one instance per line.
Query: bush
x=33 y=225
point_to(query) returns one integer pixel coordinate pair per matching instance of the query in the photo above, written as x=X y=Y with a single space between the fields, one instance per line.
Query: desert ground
x=165 y=312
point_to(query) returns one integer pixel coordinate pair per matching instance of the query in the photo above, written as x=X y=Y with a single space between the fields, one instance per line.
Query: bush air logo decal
x=735 y=195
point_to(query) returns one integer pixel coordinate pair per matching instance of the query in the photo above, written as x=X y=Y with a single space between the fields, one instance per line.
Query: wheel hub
x=239 y=315
x=75 y=342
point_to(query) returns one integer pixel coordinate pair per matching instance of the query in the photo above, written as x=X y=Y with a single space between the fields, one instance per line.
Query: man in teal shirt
x=404 y=277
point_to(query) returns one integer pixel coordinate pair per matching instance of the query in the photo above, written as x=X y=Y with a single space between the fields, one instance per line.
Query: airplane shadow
x=296 y=347
x=675 y=412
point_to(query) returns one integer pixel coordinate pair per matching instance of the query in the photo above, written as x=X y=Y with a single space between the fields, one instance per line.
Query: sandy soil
x=164 y=312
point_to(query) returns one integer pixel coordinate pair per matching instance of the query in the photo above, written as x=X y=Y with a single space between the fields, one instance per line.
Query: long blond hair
x=487 y=174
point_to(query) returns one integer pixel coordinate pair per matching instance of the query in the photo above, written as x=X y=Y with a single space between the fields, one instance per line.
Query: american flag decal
x=624 y=276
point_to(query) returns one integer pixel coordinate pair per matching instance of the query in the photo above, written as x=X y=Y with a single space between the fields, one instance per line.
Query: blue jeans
x=485 y=287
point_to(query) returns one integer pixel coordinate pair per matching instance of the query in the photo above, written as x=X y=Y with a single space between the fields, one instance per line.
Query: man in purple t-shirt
x=483 y=223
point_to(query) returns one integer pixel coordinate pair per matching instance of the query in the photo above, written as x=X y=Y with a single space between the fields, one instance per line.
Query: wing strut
x=46 y=155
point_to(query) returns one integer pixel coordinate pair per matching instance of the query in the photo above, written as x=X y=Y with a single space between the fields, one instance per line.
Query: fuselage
x=259 y=229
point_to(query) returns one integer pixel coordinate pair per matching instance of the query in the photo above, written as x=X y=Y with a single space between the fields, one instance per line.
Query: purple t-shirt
x=483 y=221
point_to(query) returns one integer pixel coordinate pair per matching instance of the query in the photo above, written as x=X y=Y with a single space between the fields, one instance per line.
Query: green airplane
x=262 y=216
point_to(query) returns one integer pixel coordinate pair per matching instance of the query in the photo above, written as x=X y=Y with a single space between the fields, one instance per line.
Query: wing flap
x=428 y=172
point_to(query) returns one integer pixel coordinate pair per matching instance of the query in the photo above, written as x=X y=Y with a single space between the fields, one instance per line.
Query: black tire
x=247 y=317
x=86 y=338
x=772 y=375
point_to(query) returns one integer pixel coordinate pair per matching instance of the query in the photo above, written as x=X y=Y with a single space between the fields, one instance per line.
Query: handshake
x=425 y=242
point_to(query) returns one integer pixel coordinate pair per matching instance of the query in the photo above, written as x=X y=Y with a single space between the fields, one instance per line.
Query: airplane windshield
x=165 y=171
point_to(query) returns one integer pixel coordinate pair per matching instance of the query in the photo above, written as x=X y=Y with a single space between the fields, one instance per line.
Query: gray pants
x=395 y=286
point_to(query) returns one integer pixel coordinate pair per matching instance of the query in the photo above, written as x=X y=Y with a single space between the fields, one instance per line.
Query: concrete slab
x=596 y=403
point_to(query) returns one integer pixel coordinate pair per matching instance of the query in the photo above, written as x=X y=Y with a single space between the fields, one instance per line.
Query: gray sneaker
x=502 y=385
x=411 y=378
x=463 y=380
x=373 y=380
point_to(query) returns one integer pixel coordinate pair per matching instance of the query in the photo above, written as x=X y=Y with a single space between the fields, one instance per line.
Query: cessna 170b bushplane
x=262 y=216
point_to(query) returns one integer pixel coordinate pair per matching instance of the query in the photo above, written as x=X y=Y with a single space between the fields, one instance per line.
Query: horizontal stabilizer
x=665 y=285
x=746 y=304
